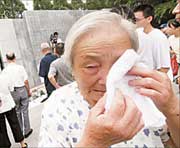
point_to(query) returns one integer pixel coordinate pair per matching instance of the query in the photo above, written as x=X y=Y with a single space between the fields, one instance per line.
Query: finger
x=99 y=108
x=130 y=112
x=147 y=83
x=139 y=126
x=117 y=107
x=134 y=122
x=144 y=72
x=149 y=93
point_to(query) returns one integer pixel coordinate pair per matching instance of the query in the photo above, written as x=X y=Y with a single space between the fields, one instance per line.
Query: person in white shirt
x=176 y=11
x=7 y=110
x=159 y=45
x=174 y=39
x=20 y=93
x=147 y=51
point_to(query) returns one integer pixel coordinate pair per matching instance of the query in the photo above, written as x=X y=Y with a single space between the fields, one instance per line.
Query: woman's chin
x=94 y=98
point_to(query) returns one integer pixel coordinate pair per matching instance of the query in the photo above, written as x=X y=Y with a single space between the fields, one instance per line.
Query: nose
x=176 y=9
x=102 y=76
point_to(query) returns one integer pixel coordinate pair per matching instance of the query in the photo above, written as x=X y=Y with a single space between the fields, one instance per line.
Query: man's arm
x=26 y=82
x=165 y=70
x=53 y=81
x=51 y=75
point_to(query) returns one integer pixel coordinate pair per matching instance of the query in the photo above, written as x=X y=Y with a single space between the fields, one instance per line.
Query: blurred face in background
x=168 y=30
x=176 y=11
x=142 y=21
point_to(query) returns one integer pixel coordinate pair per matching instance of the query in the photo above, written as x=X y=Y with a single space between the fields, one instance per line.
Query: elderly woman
x=75 y=116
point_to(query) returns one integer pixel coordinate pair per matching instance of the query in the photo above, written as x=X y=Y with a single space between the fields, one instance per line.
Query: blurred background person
x=159 y=45
x=59 y=73
x=54 y=39
x=176 y=11
x=174 y=38
x=8 y=111
x=20 y=93
x=44 y=67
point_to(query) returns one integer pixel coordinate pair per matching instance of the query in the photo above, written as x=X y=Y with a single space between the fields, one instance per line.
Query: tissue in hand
x=117 y=78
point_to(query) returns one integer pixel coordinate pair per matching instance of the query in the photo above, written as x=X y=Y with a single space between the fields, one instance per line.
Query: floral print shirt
x=64 y=117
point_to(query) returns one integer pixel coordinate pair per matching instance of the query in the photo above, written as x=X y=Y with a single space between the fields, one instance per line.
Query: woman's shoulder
x=61 y=96
x=70 y=89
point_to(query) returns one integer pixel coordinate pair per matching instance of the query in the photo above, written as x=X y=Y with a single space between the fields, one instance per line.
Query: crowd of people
x=75 y=77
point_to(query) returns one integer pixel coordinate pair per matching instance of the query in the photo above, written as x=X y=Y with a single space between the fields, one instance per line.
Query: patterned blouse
x=64 y=117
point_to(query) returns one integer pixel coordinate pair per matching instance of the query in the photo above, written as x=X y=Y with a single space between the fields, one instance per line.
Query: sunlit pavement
x=35 y=118
x=35 y=109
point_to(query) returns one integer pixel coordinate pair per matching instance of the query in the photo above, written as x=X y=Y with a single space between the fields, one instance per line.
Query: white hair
x=92 y=21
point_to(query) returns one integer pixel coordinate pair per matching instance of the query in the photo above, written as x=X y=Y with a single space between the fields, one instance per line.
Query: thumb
x=99 y=108
x=118 y=106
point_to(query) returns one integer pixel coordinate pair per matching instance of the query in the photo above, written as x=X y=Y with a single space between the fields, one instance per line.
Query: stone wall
x=8 y=40
x=26 y=52
x=40 y=24
x=24 y=36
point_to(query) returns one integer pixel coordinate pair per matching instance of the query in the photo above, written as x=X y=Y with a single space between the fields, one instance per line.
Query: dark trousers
x=14 y=125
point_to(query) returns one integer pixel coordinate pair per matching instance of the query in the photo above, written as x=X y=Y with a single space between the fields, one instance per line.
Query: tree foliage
x=163 y=11
x=163 y=8
x=11 y=8
x=42 y=4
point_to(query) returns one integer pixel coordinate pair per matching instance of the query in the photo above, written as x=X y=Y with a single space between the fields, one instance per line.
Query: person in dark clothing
x=44 y=67
x=1 y=63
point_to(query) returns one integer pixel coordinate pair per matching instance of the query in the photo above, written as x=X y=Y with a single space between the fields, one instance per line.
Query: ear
x=150 y=18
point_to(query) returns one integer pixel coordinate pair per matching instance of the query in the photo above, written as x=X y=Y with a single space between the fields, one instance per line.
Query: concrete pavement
x=35 y=121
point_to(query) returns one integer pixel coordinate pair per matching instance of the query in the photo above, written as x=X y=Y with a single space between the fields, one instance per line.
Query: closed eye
x=91 y=69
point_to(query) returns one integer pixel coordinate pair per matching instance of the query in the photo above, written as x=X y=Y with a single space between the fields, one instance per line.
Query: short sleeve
x=161 y=52
x=52 y=70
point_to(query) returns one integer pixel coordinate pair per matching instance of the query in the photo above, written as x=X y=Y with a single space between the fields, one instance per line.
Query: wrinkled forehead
x=103 y=35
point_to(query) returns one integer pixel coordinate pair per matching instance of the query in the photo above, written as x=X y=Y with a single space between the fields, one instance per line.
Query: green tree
x=163 y=11
x=42 y=4
x=61 y=5
x=11 y=8
x=163 y=8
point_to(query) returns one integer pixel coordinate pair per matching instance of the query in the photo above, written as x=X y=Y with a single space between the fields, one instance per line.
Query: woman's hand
x=157 y=86
x=120 y=123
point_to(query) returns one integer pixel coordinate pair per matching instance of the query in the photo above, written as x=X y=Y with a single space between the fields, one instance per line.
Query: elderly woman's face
x=93 y=56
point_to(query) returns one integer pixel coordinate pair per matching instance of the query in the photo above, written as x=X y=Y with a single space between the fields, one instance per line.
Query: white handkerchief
x=118 y=79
